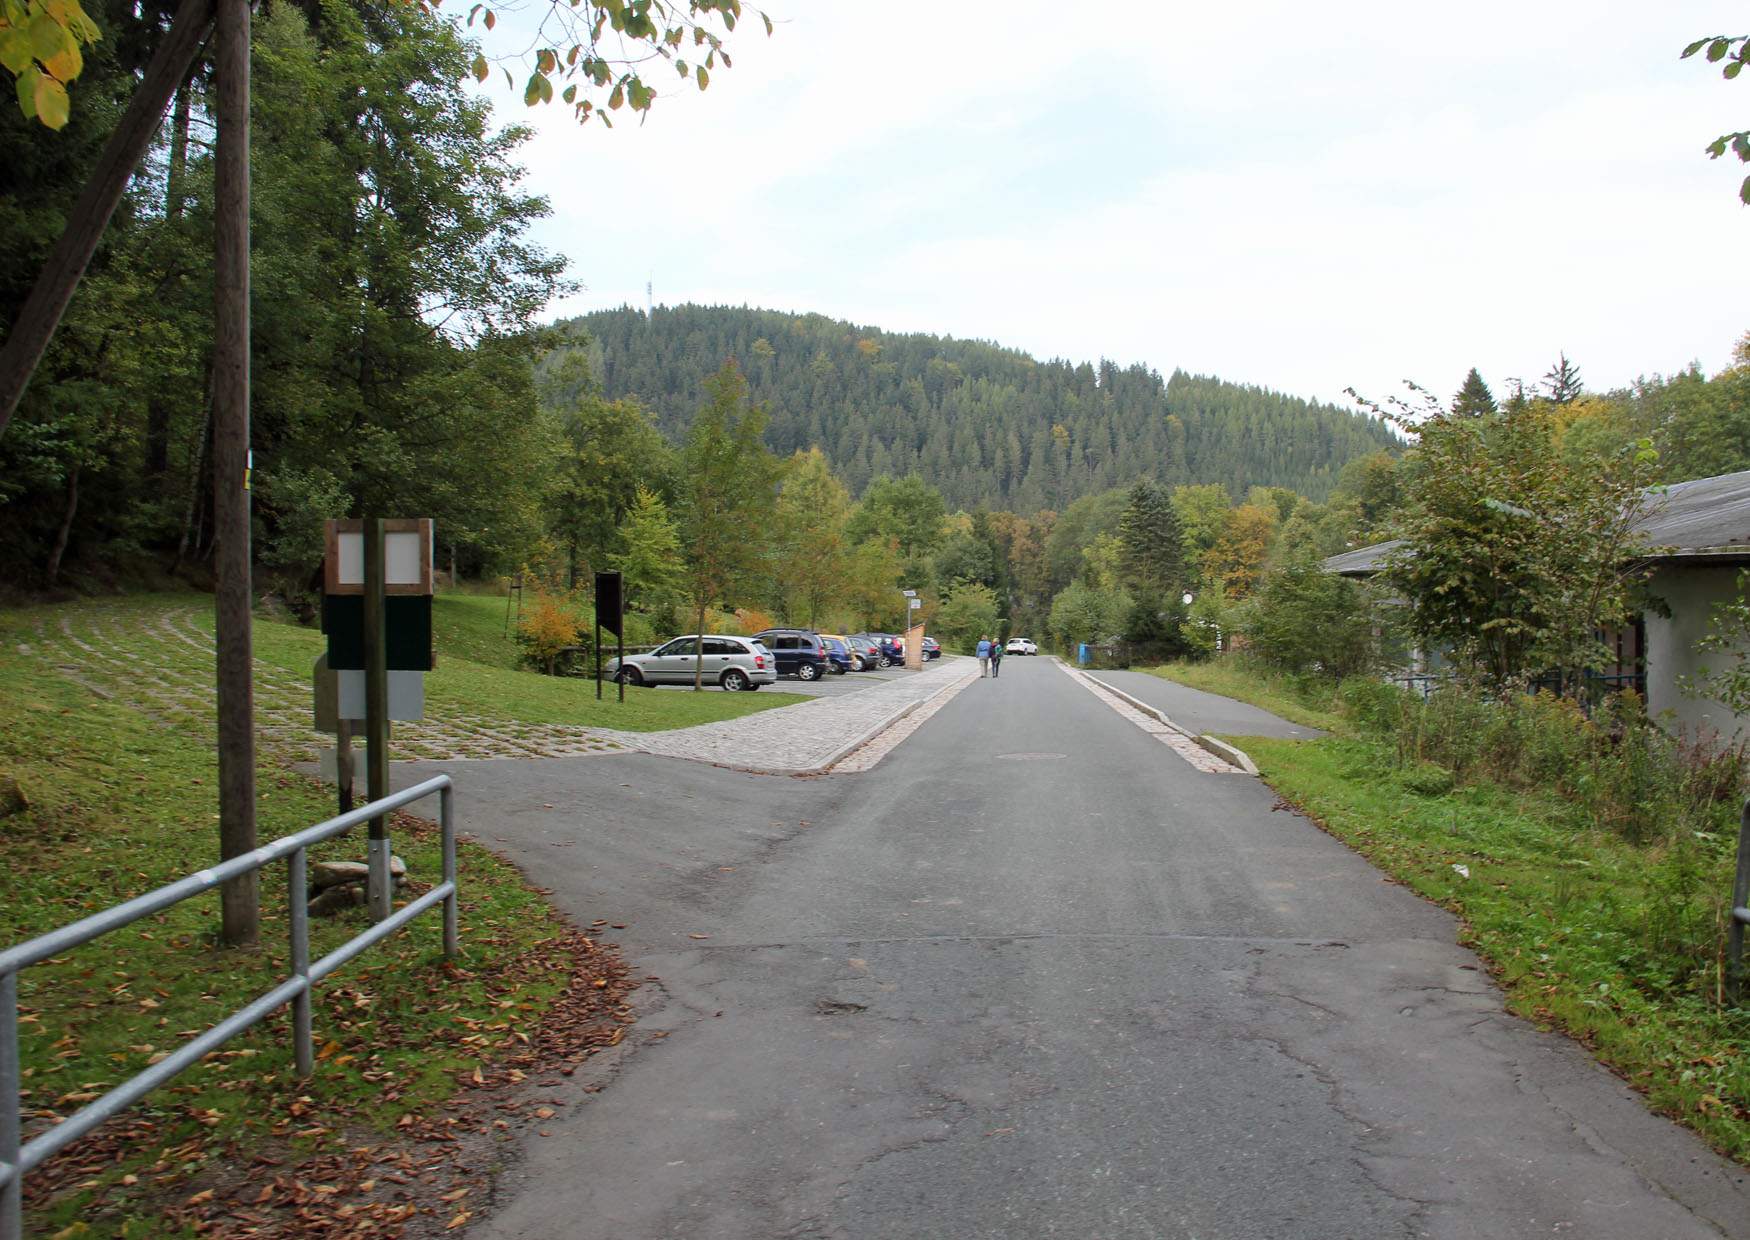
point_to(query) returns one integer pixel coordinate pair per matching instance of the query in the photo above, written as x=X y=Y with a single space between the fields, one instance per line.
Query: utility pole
x=239 y=898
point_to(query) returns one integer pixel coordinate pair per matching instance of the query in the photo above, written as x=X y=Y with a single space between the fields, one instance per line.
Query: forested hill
x=986 y=425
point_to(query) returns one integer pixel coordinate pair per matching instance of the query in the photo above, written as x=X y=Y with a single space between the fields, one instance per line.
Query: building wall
x=1672 y=654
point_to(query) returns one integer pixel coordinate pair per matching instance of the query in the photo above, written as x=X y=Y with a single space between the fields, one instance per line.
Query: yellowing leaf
x=461 y=1218
x=52 y=109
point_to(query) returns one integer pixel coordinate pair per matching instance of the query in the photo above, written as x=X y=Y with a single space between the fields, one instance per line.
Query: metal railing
x=1738 y=915
x=18 y=1158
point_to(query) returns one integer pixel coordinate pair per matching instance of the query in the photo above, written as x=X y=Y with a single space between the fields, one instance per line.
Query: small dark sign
x=608 y=603
x=406 y=624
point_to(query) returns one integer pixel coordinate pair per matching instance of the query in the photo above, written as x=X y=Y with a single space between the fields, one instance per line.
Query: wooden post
x=343 y=762
x=239 y=898
x=376 y=717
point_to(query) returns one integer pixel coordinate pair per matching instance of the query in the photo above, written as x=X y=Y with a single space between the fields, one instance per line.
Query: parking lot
x=826 y=686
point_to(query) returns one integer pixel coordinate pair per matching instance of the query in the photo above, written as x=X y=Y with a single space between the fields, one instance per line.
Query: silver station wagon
x=733 y=662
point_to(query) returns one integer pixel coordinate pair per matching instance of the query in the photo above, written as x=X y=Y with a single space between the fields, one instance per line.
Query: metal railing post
x=17 y=1157
x=447 y=824
x=297 y=885
x=11 y=1162
x=1738 y=914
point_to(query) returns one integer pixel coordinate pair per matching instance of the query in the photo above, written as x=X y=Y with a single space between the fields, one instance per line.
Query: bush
x=1304 y=619
x=1426 y=779
x=1374 y=706
x=549 y=627
x=1620 y=768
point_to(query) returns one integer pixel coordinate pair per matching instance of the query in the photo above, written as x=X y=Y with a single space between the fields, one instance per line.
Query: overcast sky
x=1307 y=197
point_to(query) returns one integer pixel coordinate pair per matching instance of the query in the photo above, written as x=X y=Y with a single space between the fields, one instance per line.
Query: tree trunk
x=66 y=526
x=239 y=898
x=197 y=483
x=159 y=406
x=699 y=651
x=42 y=310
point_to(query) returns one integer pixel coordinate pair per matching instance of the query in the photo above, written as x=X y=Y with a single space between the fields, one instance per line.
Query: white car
x=733 y=662
x=1020 y=645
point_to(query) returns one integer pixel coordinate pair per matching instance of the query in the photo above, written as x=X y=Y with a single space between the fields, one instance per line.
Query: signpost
x=376 y=612
x=610 y=614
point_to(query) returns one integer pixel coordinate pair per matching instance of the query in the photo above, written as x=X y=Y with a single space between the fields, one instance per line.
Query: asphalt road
x=1035 y=976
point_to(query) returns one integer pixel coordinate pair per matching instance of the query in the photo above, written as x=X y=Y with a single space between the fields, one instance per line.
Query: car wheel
x=807 y=671
x=735 y=680
x=884 y=661
x=630 y=676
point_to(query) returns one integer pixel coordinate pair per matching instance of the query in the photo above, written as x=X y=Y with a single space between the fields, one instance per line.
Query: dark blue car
x=797 y=652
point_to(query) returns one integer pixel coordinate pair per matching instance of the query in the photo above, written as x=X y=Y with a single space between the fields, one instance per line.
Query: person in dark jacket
x=996 y=657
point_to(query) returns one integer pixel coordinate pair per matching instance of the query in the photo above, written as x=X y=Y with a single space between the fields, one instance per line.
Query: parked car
x=1020 y=645
x=865 y=653
x=838 y=655
x=887 y=648
x=733 y=662
x=932 y=648
x=799 y=652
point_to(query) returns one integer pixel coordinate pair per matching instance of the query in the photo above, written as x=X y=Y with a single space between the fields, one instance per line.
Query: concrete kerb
x=1221 y=749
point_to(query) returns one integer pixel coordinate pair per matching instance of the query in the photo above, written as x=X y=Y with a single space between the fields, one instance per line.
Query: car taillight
x=759 y=660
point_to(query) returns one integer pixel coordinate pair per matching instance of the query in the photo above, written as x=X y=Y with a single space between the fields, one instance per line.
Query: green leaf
x=1717 y=147
x=768 y=22
x=480 y=69
x=1733 y=70
x=532 y=91
x=617 y=98
x=1695 y=47
x=15 y=51
x=1717 y=49
x=570 y=95
x=1744 y=192
x=702 y=76
x=26 y=85
x=47 y=36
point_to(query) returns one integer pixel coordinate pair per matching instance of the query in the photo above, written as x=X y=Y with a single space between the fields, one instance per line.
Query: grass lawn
x=121 y=802
x=472 y=627
x=1587 y=932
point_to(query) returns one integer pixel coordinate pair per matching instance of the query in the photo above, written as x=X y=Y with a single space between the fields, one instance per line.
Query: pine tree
x=1474 y=398
x=1562 y=383
x=1152 y=540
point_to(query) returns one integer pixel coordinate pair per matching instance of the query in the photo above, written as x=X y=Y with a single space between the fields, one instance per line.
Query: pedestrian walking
x=983 y=655
x=996 y=657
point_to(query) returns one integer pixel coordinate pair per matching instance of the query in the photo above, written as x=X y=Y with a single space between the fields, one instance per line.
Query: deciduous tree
x=727 y=493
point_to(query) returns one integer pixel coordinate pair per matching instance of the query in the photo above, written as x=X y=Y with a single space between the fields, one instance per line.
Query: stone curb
x=1221 y=749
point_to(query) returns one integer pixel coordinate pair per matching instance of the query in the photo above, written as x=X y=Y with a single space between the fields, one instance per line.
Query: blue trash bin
x=1082 y=654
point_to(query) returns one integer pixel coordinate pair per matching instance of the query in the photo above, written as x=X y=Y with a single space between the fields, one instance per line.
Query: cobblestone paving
x=864 y=757
x=802 y=737
x=159 y=660
x=1172 y=738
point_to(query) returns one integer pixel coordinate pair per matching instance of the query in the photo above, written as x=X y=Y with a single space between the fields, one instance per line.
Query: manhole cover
x=1030 y=757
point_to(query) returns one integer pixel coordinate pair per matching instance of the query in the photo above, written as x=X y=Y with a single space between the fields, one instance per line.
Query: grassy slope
x=122 y=800
x=121 y=803
x=1245 y=684
x=1571 y=920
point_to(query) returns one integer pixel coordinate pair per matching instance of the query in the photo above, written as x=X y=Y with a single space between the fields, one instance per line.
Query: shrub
x=1304 y=619
x=549 y=625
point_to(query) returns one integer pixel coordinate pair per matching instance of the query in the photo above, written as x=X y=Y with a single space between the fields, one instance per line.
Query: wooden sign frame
x=417 y=582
